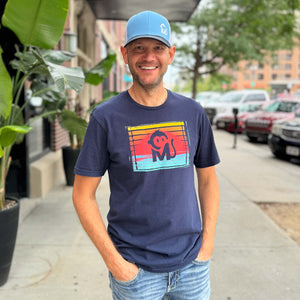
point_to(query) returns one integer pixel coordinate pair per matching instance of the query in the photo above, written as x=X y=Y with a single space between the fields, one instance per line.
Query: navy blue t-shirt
x=150 y=153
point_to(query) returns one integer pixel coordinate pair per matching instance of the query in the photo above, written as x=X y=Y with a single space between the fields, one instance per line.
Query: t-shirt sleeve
x=206 y=153
x=93 y=159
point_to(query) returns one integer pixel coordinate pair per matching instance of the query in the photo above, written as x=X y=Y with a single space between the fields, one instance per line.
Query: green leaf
x=74 y=124
x=64 y=77
x=30 y=62
x=56 y=56
x=106 y=96
x=36 y=22
x=5 y=90
x=96 y=74
x=9 y=133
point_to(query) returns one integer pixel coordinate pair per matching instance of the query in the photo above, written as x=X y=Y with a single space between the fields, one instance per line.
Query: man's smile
x=147 y=68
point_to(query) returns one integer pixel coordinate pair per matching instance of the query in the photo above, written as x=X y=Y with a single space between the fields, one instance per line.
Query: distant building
x=282 y=74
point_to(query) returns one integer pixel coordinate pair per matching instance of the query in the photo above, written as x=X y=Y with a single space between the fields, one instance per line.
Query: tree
x=224 y=32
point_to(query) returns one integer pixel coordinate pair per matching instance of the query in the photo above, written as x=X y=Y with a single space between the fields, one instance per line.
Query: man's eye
x=159 y=48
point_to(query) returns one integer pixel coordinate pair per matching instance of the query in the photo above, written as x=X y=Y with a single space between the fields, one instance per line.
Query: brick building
x=279 y=75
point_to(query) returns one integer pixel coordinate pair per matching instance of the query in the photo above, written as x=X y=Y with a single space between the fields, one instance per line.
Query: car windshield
x=250 y=107
x=281 y=106
x=232 y=97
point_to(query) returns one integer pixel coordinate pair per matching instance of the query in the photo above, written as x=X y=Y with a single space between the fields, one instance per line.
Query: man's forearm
x=209 y=197
x=90 y=217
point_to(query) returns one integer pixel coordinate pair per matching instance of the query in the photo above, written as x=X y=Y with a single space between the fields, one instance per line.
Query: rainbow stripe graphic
x=159 y=146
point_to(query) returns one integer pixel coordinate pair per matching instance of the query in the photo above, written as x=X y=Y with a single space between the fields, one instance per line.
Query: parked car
x=259 y=125
x=204 y=98
x=234 y=99
x=226 y=121
x=284 y=139
x=296 y=95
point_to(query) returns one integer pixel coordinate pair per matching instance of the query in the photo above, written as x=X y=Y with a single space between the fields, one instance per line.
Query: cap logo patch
x=163 y=29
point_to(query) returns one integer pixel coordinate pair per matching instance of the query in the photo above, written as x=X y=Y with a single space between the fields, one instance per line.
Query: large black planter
x=69 y=160
x=9 y=220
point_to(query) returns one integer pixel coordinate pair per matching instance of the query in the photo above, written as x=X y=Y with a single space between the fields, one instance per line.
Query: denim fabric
x=189 y=283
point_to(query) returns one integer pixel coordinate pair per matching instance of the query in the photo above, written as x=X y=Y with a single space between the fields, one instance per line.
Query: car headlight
x=276 y=129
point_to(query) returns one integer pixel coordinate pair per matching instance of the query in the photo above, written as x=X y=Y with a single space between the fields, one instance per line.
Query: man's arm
x=84 y=199
x=209 y=197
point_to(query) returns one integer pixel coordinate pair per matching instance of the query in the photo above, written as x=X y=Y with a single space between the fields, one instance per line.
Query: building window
x=260 y=76
x=247 y=76
x=288 y=56
x=274 y=76
x=113 y=26
x=287 y=66
x=287 y=76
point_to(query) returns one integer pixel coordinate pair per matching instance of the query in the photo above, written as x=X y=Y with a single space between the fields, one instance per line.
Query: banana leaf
x=41 y=62
x=36 y=22
x=97 y=74
x=75 y=125
x=8 y=135
x=5 y=90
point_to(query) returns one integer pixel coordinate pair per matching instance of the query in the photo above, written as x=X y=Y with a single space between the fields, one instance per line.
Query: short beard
x=147 y=86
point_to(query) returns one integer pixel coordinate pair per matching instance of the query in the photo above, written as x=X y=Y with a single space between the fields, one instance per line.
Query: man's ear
x=124 y=54
x=172 y=54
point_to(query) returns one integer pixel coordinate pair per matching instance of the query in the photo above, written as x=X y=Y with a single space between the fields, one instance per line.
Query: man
x=149 y=140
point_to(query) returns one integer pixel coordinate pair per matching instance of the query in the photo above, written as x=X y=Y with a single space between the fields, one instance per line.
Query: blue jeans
x=189 y=283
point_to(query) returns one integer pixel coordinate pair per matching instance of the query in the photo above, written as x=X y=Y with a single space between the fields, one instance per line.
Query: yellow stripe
x=160 y=125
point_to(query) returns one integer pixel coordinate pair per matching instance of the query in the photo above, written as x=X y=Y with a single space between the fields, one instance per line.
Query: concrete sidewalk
x=253 y=257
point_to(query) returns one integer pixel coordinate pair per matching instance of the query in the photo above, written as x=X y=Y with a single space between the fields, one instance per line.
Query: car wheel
x=252 y=139
x=279 y=155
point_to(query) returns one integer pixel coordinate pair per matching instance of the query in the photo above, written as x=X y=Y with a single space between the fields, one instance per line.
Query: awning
x=173 y=10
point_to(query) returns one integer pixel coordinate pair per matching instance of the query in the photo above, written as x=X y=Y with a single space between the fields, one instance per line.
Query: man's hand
x=126 y=272
x=205 y=251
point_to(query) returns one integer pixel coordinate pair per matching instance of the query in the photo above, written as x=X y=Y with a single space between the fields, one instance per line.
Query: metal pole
x=235 y=113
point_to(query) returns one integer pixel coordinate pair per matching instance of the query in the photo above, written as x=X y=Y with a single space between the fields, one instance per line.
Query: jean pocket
x=129 y=282
x=201 y=262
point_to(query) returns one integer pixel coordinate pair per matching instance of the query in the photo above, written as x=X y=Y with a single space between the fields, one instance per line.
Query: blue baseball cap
x=148 y=24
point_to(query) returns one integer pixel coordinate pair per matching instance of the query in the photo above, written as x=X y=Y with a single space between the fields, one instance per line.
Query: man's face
x=148 y=61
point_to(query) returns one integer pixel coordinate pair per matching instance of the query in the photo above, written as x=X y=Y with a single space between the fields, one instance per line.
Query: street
x=257 y=173
x=254 y=263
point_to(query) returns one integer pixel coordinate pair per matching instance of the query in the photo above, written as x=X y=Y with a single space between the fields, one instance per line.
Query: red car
x=226 y=121
x=259 y=125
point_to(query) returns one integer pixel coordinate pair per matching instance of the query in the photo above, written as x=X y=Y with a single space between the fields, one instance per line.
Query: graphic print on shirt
x=159 y=146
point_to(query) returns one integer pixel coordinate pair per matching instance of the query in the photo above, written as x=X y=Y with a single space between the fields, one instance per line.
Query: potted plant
x=74 y=120
x=37 y=24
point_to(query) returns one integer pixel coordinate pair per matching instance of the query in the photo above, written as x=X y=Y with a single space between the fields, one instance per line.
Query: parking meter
x=235 y=112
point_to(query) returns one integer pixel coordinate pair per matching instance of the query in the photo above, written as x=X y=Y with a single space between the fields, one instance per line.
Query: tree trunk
x=198 y=63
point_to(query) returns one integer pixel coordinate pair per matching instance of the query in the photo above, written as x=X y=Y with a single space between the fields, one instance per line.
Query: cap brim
x=149 y=37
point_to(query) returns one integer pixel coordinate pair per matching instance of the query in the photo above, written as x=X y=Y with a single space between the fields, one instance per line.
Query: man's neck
x=152 y=97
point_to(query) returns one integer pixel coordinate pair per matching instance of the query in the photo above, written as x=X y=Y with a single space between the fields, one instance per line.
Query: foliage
x=37 y=24
x=226 y=32
x=70 y=116
x=213 y=82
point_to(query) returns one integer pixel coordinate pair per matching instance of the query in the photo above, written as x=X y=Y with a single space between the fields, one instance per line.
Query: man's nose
x=148 y=54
